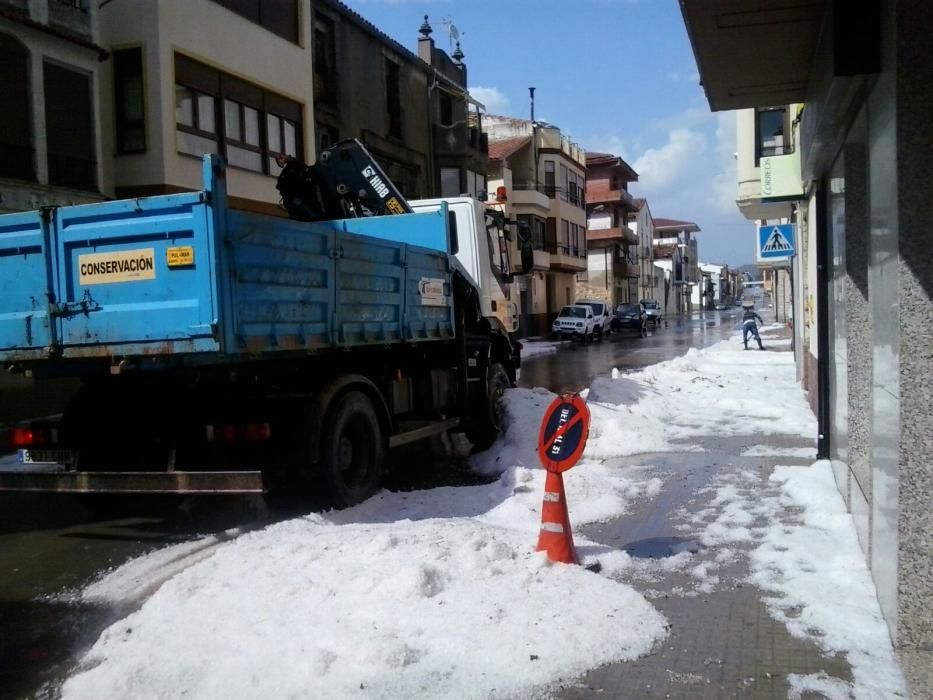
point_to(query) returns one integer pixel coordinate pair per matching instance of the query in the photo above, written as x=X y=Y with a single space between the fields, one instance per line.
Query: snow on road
x=440 y=594
x=530 y=348
x=431 y=594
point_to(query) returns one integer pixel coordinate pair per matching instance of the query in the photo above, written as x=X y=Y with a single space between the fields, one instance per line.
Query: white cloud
x=672 y=162
x=607 y=143
x=496 y=102
x=686 y=170
x=674 y=75
x=724 y=181
x=690 y=118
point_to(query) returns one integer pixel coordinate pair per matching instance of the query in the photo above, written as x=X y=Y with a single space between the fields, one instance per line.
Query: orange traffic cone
x=556 y=537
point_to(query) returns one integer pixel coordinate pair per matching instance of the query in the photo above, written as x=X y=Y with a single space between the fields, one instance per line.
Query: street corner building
x=834 y=139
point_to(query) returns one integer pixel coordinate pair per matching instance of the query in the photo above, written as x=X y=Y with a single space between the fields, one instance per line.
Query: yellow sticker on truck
x=116 y=266
x=179 y=256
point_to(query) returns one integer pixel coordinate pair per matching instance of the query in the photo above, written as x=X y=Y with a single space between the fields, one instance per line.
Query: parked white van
x=602 y=315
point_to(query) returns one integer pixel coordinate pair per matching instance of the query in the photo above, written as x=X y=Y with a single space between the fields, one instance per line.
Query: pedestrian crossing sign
x=776 y=241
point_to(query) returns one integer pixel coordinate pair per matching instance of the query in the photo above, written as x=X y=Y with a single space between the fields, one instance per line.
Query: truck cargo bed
x=183 y=277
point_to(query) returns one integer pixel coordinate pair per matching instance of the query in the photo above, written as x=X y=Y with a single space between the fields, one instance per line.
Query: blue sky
x=616 y=76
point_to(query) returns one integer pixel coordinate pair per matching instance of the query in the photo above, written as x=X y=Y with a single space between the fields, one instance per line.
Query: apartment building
x=852 y=90
x=643 y=225
x=120 y=99
x=189 y=77
x=612 y=246
x=52 y=117
x=675 y=251
x=544 y=175
x=412 y=111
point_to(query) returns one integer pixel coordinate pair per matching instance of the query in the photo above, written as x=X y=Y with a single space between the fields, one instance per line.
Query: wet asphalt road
x=573 y=367
x=52 y=544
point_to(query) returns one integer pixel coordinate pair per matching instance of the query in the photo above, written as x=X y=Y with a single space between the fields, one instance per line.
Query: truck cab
x=482 y=249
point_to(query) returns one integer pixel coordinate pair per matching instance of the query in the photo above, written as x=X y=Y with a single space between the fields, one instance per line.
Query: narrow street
x=573 y=367
x=50 y=545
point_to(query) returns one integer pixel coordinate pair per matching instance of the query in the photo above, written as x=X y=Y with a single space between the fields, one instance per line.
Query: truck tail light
x=32 y=437
x=239 y=432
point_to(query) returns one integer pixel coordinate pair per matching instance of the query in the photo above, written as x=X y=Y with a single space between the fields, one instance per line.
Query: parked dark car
x=652 y=311
x=629 y=316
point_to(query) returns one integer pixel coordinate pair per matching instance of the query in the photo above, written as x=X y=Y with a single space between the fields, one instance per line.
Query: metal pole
x=534 y=136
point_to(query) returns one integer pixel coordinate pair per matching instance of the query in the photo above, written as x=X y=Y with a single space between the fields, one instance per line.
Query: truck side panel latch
x=67 y=309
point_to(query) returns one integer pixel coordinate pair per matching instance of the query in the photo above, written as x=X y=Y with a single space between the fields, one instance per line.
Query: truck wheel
x=491 y=414
x=352 y=450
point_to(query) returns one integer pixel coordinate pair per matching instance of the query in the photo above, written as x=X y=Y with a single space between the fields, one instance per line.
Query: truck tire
x=353 y=450
x=491 y=414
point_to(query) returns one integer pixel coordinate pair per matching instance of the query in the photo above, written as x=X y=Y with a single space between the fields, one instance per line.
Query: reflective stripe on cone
x=556 y=537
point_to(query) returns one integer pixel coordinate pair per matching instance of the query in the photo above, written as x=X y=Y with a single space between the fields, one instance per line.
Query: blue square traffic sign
x=776 y=241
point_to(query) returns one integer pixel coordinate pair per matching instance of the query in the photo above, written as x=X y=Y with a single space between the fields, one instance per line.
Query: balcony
x=71 y=15
x=766 y=191
x=611 y=197
x=617 y=233
x=530 y=195
x=568 y=259
x=460 y=140
x=627 y=270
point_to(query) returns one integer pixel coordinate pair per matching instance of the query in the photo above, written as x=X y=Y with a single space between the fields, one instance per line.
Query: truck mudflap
x=175 y=482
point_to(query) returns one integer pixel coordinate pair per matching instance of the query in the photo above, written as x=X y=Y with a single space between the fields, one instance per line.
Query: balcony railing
x=460 y=140
x=530 y=187
x=71 y=15
x=575 y=196
x=611 y=197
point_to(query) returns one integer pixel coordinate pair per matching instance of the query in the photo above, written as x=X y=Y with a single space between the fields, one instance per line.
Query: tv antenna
x=453 y=34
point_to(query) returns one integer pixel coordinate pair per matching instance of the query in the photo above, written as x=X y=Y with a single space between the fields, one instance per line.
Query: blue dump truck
x=223 y=351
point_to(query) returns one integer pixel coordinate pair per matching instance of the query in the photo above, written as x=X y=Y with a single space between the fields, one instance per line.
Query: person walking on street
x=749 y=326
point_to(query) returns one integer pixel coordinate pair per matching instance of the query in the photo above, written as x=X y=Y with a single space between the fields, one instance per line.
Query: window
x=771 y=132
x=450 y=182
x=129 y=100
x=405 y=176
x=476 y=185
x=564 y=181
x=278 y=16
x=325 y=61
x=281 y=137
x=549 y=183
x=563 y=245
x=393 y=99
x=217 y=113
x=446 y=106
x=195 y=122
x=69 y=128
x=241 y=126
x=17 y=158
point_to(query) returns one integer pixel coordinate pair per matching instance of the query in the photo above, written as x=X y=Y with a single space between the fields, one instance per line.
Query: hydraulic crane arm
x=346 y=182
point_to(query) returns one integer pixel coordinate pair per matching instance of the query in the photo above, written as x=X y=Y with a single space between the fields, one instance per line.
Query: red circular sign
x=564 y=430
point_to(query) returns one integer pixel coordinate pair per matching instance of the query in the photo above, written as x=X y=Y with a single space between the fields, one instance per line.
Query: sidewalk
x=723 y=641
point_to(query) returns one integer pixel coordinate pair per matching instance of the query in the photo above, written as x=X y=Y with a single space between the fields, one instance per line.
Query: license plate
x=46 y=456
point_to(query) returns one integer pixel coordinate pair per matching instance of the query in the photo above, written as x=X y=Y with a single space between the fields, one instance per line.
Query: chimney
x=426 y=43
